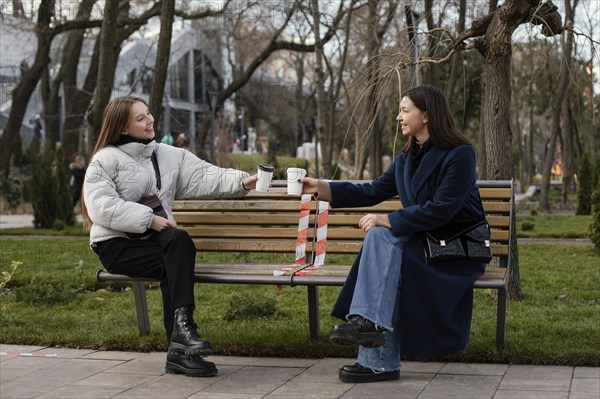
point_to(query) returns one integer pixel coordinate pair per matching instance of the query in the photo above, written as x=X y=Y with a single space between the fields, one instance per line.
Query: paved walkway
x=46 y=372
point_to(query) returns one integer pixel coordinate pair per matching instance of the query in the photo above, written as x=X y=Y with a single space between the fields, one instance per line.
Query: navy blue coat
x=435 y=309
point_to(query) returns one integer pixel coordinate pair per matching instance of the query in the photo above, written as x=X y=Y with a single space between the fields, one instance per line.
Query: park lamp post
x=212 y=96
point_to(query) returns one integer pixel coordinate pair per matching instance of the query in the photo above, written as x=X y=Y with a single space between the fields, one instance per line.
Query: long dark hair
x=442 y=128
x=114 y=122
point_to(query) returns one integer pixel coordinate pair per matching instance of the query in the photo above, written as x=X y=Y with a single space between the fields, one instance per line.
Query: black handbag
x=152 y=201
x=470 y=245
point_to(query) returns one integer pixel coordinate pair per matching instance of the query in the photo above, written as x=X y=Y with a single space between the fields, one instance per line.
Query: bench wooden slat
x=229 y=232
x=243 y=269
x=495 y=193
x=240 y=245
x=254 y=205
x=236 y=219
x=496 y=207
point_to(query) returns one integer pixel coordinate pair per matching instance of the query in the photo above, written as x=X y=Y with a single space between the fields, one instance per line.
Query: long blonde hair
x=114 y=122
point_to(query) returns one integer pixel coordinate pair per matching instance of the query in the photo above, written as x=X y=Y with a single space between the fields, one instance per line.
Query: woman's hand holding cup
x=309 y=185
x=249 y=183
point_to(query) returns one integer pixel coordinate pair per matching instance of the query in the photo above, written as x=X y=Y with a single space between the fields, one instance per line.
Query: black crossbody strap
x=156 y=170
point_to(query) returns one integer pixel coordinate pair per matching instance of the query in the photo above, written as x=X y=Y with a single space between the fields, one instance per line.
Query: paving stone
x=284 y=362
x=114 y=355
x=219 y=395
x=50 y=378
x=78 y=392
x=520 y=394
x=537 y=378
x=474 y=369
x=325 y=370
x=446 y=386
x=151 y=364
x=32 y=363
x=409 y=386
x=253 y=380
x=20 y=348
x=168 y=386
x=307 y=390
x=585 y=388
x=233 y=360
x=10 y=373
x=121 y=381
x=587 y=372
x=66 y=353
x=421 y=367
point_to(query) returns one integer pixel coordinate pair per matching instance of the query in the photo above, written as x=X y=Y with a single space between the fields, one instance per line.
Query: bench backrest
x=345 y=237
x=258 y=222
x=268 y=222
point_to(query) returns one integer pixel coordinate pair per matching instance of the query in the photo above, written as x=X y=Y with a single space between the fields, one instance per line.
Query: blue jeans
x=377 y=293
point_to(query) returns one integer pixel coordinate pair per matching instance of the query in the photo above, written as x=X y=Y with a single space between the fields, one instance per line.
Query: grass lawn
x=54 y=299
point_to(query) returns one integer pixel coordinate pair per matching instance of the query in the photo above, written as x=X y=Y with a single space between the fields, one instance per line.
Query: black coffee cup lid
x=266 y=168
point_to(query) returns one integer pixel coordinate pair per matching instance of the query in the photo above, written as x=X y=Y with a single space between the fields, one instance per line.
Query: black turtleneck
x=416 y=153
x=125 y=138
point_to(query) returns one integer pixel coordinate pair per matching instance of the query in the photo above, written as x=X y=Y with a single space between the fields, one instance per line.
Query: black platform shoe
x=356 y=374
x=190 y=366
x=359 y=331
x=185 y=338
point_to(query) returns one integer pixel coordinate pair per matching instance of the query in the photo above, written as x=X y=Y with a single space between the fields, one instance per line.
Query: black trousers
x=169 y=256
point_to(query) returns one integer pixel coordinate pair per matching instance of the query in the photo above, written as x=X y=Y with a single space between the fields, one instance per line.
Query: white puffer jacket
x=118 y=177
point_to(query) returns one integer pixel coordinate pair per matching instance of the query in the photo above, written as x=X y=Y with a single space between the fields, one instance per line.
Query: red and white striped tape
x=301 y=238
x=320 y=248
x=28 y=354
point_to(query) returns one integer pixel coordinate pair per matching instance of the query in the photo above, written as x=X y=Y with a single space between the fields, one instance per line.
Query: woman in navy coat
x=395 y=303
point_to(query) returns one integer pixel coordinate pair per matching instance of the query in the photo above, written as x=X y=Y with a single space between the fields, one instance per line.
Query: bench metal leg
x=501 y=318
x=314 y=322
x=141 y=307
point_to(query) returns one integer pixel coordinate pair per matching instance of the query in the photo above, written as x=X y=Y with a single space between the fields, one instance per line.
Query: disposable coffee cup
x=294 y=187
x=265 y=174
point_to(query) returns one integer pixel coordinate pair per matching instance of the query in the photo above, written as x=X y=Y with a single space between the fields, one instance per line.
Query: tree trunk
x=77 y=102
x=109 y=55
x=454 y=67
x=563 y=86
x=319 y=82
x=431 y=71
x=24 y=89
x=161 y=66
x=530 y=169
x=518 y=144
x=67 y=79
x=51 y=115
x=567 y=150
x=496 y=49
x=373 y=65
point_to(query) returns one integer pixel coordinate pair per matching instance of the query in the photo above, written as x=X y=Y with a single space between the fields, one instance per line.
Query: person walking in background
x=394 y=302
x=167 y=139
x=78 y=168
x=127 y=164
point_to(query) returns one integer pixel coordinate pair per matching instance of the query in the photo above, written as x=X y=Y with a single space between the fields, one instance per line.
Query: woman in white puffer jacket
x=130 y=239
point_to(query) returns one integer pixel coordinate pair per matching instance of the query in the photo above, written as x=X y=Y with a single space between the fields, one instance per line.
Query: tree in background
x=595 y=225
x=50 y=192
x=586 y=185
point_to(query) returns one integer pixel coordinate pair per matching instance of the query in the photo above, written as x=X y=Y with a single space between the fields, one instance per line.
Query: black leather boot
x=190 y=366
x=185 y=338
x=359 y=331
x=356 y=374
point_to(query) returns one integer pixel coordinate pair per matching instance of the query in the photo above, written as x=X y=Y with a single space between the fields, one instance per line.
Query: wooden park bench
x=268 y=223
